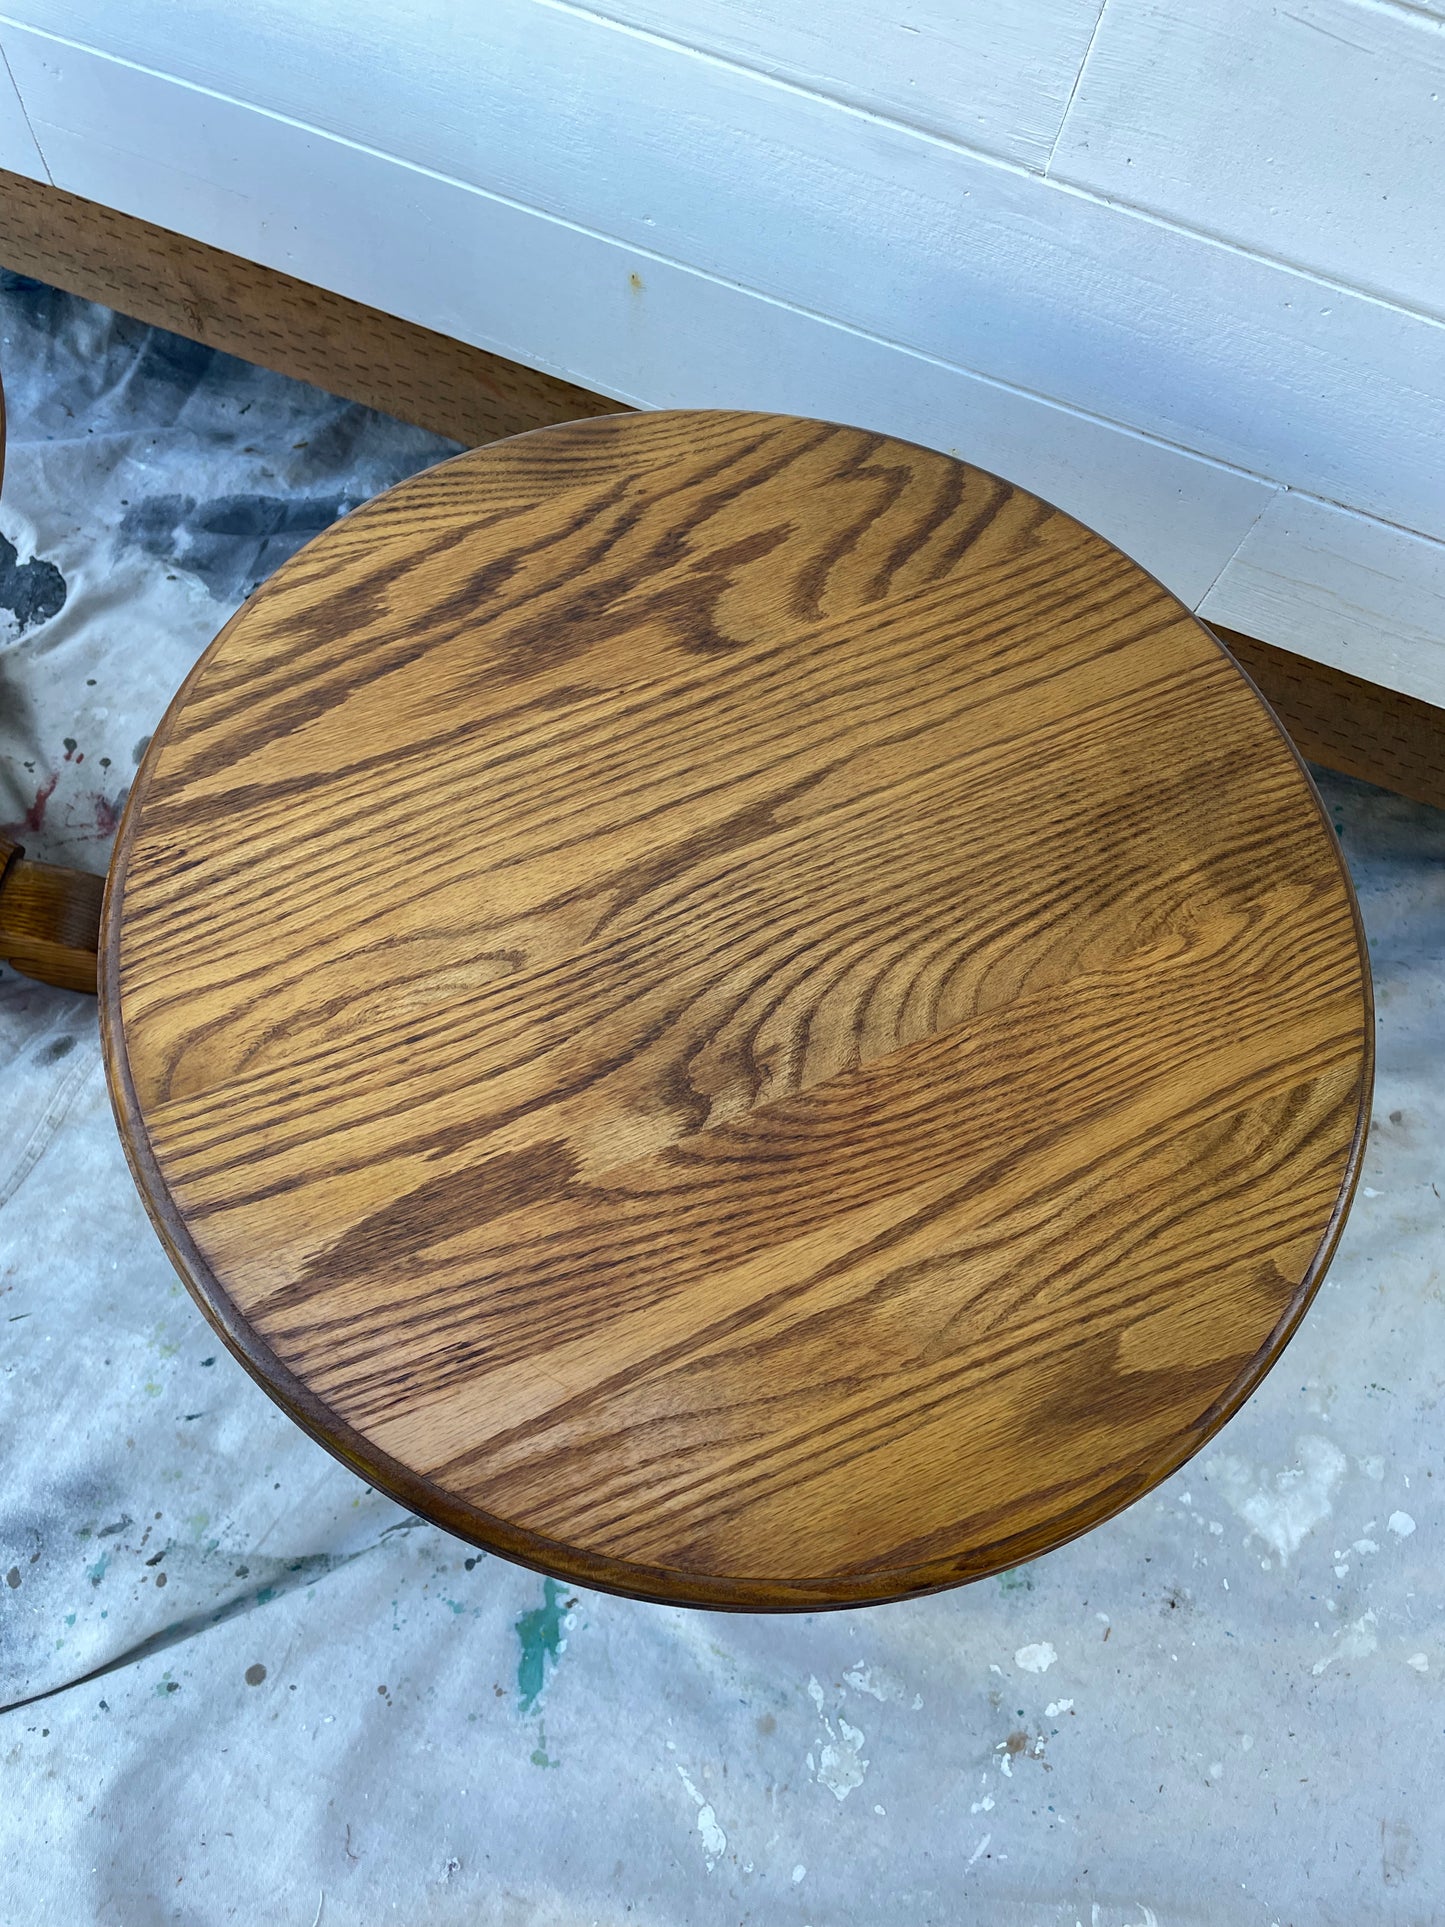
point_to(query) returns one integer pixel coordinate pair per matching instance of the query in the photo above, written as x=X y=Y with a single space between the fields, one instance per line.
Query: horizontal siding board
x=693 y=235
x=18 y=152
x=950 y=255
x=609 y=317
x=1313 y=133
x=994 y=78
x=1341 y=589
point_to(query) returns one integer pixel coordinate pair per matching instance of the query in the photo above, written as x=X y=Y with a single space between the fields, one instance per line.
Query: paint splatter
x=255 y=1674
x=1357 y=1641
x=840 y=1765
x=541 y=1635
x=32 y=591
x=879 y=1684
x=1401 y=1524
x=34 y=817
x=1284 y=1509
x=714 y=1840
x=1037 y=1658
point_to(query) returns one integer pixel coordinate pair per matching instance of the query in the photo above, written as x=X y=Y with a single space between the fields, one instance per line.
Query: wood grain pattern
x=736 y=1010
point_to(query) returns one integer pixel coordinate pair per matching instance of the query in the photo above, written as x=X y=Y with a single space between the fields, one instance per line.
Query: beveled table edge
x=657 y=1584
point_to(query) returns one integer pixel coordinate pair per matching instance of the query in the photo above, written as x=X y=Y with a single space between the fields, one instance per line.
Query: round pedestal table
x=736 y=1010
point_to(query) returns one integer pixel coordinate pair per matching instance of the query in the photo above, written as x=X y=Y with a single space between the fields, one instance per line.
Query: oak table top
x=736 y=1010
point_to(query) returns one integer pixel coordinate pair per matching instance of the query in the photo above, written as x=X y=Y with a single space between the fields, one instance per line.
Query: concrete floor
x=243 y=1686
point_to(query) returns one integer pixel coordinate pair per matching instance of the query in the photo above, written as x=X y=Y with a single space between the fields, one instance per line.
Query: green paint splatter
x=539 y=1751
x=1015 y=1581
x=70 y=1619
x=96 y=1572
x=540 y=1633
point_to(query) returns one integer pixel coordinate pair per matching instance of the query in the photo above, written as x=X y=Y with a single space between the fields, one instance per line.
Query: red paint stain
x=107 y=815
x=35 y=816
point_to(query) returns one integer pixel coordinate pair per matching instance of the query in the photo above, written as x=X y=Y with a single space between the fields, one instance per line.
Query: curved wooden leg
x=49 y=920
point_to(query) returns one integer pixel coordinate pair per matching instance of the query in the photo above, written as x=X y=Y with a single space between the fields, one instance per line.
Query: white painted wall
x=1175 y=264
x=18 y=152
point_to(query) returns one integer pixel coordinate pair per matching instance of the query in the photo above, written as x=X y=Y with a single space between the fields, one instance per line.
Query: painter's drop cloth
x=243 y=1686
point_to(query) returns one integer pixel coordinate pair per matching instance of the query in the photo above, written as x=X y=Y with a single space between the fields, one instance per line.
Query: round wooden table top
x=736 y=1010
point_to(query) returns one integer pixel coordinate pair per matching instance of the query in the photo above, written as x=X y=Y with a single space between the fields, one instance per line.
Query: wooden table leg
x=49 y=920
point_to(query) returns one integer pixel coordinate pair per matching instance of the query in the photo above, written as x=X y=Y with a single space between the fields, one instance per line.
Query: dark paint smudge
x=231 y=542
x=32 y=591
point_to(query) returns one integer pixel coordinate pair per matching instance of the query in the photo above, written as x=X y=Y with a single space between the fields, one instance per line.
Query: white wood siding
x=1312 y=133
x=1370 y=598
x=994 y=77
x=956 y=227
x=18 y=152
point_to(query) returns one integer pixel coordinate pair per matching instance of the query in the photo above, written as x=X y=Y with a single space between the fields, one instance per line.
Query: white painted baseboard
x=1368 y=598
